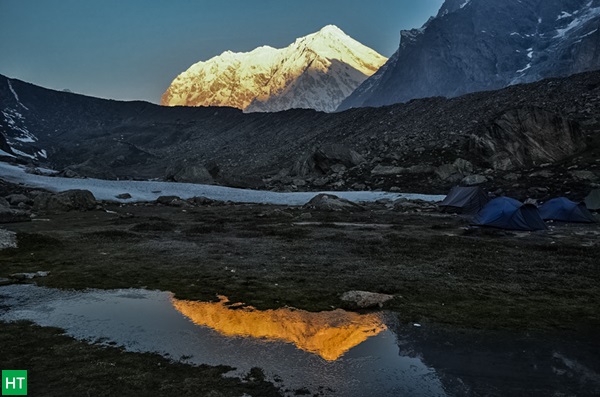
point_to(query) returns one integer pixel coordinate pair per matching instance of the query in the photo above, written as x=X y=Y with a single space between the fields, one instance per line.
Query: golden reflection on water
x=328 y=334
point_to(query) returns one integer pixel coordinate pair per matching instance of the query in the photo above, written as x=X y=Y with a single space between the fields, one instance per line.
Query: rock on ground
x=8 y=239
x=190 y=173
x=8 y=215
x=473 y=180
x=323 y=159
x=330 y=202
x=82 y=200
x=365 y=299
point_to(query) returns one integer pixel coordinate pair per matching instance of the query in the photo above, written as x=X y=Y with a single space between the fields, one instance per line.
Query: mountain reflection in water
x=328 y=334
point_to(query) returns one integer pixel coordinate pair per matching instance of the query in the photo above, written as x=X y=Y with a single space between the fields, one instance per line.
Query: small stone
x=365 y=299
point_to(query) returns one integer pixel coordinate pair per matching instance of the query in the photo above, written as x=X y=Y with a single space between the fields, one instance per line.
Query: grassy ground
x=58 y=365
x=269 y=257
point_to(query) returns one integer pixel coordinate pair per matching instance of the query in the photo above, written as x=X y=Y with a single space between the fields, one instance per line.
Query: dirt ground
x=439 y=270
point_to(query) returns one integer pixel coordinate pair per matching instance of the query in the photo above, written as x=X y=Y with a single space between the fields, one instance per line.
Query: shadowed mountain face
x=421 y=145
x=476 y=45
x=315 y=72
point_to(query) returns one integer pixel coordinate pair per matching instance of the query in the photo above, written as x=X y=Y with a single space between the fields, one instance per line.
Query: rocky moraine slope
x=537 y=139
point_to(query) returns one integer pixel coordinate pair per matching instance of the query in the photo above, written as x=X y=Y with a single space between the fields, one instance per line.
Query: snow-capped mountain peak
x=316 y=71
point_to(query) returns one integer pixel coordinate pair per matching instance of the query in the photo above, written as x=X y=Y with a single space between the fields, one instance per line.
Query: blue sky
x=132 y=49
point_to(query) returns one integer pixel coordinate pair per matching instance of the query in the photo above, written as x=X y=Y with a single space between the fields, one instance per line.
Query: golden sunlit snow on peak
x=316 y=72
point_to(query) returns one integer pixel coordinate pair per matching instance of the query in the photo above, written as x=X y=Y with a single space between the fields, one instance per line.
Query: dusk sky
x=133 y=49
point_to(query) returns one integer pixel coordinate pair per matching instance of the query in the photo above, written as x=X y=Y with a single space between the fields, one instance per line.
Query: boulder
x=387 y=170
x=473 y=180
x=168 y=200
x=338 y=168
x=77 y=199
x=123 y=196
x=200 y=201
x=364 y=299
x=4 y=203
x=16 y=199
x=320 y=182
x=454 y=172
x=189 y=172
x=69 y=173
x=528 y=136
x=8 y=215
x=322 y=159
x=329 y=202
x=584 y=175
x=299 y=182
x=447 y=172
x=463 y=166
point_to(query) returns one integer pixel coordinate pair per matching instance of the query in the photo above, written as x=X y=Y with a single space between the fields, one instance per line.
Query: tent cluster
x=511 y=214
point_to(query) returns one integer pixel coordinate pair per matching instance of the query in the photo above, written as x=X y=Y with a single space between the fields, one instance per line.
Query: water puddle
x=336 y=353
x=329 y=353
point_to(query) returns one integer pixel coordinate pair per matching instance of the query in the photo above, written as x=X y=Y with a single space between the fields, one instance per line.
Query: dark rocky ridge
x=476 y=45
x=427 y=140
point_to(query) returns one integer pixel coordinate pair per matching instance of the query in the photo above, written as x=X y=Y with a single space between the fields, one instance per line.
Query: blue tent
x=565 y=210
x=511 y=214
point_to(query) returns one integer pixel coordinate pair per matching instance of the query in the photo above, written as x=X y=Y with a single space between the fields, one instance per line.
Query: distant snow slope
x=14 y=127
x=315 y=72
x=150 y=190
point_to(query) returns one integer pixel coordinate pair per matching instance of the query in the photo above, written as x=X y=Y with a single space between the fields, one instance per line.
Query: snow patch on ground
x=20 y=153
x=151 y=190
x=525 y=68
x=16 y=122
x=563 y=14
x=579 y=21
x=15 y=95
x=589 y=33
x=3 y=153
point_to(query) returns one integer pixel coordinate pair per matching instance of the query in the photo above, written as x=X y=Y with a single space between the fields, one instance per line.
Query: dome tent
x=592 y=201
x=508 y=213
x=564 y=210
x=465 y=200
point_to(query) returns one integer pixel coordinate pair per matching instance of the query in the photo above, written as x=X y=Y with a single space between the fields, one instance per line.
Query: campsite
x=491 y=279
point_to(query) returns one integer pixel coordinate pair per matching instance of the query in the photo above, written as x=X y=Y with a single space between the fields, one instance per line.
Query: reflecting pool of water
x=330 y=353
x=336 y=352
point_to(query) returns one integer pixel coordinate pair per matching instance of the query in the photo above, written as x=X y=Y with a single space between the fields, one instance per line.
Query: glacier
x=140 y=191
